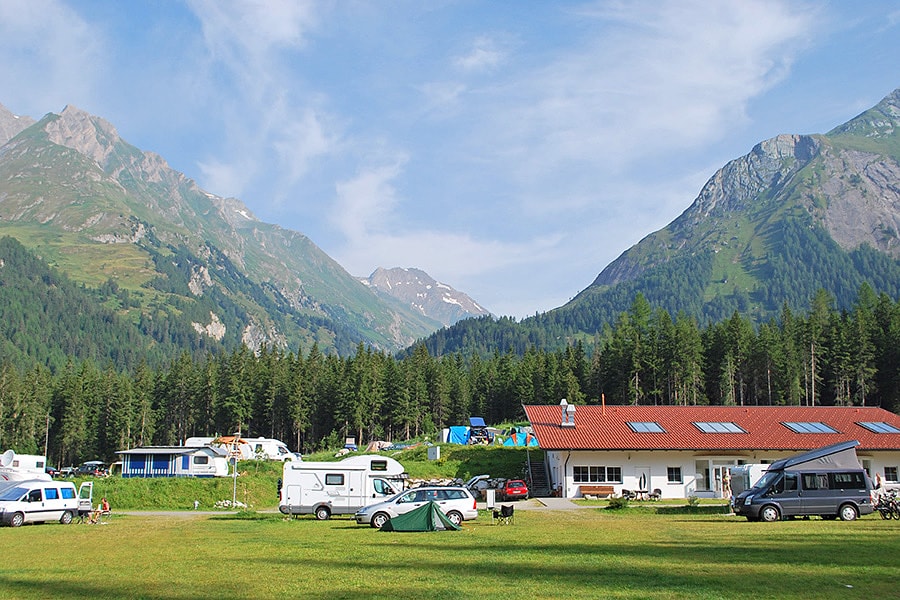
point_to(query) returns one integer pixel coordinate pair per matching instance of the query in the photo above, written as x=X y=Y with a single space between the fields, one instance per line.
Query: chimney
x=568 y=413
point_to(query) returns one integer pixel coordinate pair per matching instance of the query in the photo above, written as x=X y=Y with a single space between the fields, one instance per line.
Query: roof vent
x=568 y=413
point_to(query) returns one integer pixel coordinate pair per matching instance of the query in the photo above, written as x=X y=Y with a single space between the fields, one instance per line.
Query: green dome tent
x=427 y=517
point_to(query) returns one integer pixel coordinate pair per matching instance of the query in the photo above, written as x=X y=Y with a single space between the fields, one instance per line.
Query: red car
x=514 y=489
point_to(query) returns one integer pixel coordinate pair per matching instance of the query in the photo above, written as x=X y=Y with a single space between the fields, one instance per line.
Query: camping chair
x=656 y=494
x=628 y=494
x=504 y=516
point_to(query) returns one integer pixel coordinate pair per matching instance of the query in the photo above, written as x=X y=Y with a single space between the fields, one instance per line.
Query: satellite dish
x=6 y=459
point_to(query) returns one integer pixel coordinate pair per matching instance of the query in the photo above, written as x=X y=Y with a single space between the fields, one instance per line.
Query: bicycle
x=888 y=505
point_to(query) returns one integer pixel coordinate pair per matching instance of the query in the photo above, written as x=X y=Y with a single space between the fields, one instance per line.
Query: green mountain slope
x=199 y=269
x=795 y=215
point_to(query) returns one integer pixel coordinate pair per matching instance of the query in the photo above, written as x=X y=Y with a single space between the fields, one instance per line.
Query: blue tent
x=521 y=439
x=458 y=435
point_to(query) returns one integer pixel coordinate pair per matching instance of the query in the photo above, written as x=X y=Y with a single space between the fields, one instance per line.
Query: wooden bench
x=600 y=491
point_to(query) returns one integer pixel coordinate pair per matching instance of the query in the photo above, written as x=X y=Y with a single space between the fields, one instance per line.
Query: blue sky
x=511 y=149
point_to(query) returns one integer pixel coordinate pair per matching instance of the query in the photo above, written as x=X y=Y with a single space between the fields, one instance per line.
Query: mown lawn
x=587 y=553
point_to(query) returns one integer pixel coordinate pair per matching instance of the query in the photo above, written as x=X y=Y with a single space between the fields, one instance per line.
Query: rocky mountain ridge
x=418 y=290
x=100 y=209
x=847 y=181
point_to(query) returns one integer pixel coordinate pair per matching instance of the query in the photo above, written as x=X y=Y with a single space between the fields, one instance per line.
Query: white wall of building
x=677 y=474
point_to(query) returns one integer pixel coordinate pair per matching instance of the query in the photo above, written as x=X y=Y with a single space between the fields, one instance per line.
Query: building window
x=580 y=474
x=597 y=474
x=646 y=427
x=674 y=474
x=890 y=474
x=201 y=460
x=878 y=427
x=714 y=427
x=808 y=427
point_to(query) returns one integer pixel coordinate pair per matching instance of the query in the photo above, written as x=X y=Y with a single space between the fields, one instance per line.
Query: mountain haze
x=197 y=267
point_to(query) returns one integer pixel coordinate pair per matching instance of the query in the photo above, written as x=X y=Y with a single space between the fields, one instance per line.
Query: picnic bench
x=600 y=491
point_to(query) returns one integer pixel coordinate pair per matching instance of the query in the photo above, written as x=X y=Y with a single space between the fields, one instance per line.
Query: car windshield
x=767 y=480
x=13 y=494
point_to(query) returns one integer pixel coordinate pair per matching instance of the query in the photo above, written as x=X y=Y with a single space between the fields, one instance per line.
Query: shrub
x=617 y=502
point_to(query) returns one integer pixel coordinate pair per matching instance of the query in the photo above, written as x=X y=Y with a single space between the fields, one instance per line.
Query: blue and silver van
x=827 y=482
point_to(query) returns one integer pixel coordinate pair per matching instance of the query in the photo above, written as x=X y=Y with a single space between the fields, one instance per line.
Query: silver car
x=455 y=502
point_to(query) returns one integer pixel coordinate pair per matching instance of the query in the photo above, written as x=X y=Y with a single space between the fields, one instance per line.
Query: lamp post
x=234 y=455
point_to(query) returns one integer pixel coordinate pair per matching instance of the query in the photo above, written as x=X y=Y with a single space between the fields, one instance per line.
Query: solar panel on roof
x=878 y=427
x=808 y=427
x=718 y=427
x=646 y=427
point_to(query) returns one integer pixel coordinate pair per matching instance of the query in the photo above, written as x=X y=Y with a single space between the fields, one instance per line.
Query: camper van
x=827 y=482
x=37 y=501
x=338 y=488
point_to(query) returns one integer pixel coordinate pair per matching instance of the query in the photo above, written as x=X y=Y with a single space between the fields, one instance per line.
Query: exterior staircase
x=539 y=486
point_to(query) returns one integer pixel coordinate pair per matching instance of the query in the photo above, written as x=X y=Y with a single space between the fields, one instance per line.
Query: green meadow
x=586 y=553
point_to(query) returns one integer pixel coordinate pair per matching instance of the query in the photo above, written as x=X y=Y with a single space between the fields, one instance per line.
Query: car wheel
x=17 y=520
x=848 y=512
x=770 y=514
x=322 y=513
x=379 y=519
x=66 y=518
x=454 y=517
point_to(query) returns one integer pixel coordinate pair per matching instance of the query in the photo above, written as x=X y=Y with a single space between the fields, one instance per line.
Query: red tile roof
x=606 y=428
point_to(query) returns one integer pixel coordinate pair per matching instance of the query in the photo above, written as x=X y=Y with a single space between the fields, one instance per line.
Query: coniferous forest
x=86 y=410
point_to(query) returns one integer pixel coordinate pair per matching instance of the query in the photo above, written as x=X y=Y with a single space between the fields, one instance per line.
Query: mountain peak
x=11 y=124
x=880 y=121
x=418 y=290
x=90 y=135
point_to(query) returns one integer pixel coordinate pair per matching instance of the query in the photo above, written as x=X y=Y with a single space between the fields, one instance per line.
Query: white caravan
x=250 y=448
x=338 y=488
x=38 y=501
x=744 y=477
x=22 y=467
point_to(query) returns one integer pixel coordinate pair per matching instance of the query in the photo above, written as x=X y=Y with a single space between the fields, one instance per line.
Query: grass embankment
x=586 y=553
x=257 y=480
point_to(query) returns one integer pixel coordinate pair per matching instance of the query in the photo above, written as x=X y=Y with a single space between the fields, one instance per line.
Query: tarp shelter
x=521 y=439
x=427 y=517
x=458 y=435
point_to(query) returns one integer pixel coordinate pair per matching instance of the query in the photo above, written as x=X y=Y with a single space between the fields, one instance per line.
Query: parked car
x=67 y=472
x=95 y=468
x=51 y=471
x=456 y=502
x=513 y=489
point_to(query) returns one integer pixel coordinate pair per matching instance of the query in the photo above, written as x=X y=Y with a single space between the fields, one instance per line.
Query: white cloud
x=365 y=204
x=49 y=57
x=484 y=55
x=650 y=77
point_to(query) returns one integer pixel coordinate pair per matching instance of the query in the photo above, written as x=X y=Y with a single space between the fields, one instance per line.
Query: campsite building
x=684 y=451
x=174 y=461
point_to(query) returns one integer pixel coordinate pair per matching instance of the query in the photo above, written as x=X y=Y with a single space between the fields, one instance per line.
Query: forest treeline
x=314 y=400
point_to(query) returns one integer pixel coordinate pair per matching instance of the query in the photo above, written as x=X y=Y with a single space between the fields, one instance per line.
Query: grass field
x=586 y=553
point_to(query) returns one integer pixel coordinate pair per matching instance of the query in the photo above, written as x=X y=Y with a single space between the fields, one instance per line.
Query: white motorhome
x=268 y=449
x=36 y=501
x=22 y=467
x=249 y=448
x=338 y=488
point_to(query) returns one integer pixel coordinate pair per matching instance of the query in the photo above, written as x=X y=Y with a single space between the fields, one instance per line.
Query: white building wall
x=700 y=475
